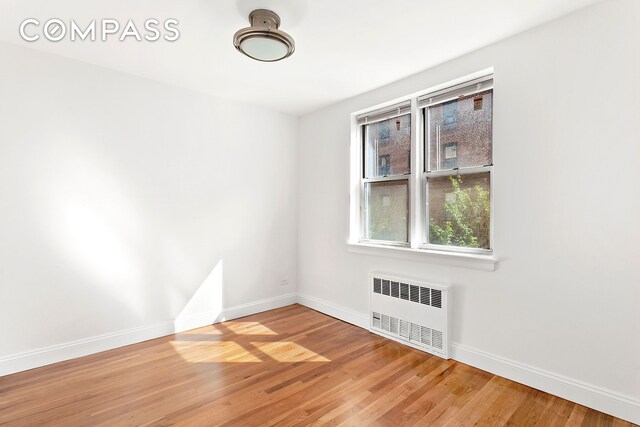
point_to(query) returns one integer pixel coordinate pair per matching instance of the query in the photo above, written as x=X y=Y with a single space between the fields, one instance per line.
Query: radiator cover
x=410 y=311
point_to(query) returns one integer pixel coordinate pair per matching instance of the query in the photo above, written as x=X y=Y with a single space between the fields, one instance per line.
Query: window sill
x=457 y=259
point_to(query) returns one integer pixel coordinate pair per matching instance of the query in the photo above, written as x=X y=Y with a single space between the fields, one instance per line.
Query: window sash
x=427 y=216
x=364 y=129
x=364 y=212
x=426 y=131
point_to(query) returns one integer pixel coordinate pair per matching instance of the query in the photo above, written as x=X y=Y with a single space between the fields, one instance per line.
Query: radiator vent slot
x=393 y=325
x=415 y=332
x=385 y=322
x=436 y=298
x=412 y=332
x=376 y=321
x=377 y=286
x=425 y=296
x=410 y=312
x=404 y=290
x=395 y=289
x=413 y=293
x=425 y=335
x=437 y=339
x=404 y=329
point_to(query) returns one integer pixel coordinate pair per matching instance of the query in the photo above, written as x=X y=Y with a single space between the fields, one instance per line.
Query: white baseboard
x=184 y=323
x=334 y=310
x=83 y=347
x=591 y=396
x=71 y=350
x=588 y=395
x=258 y=306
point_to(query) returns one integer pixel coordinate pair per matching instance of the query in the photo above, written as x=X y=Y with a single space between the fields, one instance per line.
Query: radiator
x=410 y=312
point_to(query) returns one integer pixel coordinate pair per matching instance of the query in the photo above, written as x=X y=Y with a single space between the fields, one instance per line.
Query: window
x=444 y=201
x=450 y=158
x=450 y=113
x=384 y=132
x=384 y=164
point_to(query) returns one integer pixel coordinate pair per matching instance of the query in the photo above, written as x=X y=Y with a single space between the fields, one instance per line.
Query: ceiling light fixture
x=263 y=41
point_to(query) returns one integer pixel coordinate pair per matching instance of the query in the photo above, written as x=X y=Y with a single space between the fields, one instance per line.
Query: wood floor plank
x=287 y=367
x=510 y=399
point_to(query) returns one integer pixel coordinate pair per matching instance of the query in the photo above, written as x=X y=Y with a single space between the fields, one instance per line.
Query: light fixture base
x=264 y=18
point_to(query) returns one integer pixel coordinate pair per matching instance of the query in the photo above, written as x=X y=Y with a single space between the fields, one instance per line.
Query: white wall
x=126 y=204
x=122 y=198
x=565 y=296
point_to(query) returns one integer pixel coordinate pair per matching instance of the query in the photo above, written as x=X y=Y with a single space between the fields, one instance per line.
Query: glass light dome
x=263 y=41
x=264 y=48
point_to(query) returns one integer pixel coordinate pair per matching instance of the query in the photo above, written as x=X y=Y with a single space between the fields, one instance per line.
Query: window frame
x=417 y=179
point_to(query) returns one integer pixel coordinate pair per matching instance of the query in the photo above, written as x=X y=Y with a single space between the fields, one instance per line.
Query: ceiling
x=343 y=47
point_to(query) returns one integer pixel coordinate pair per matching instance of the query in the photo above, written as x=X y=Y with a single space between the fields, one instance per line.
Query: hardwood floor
x=291 y=366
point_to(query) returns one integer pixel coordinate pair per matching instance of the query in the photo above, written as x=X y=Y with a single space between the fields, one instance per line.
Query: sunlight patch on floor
x=213 y=351
x=248 y=328
x=209 y=330
x=289 y=352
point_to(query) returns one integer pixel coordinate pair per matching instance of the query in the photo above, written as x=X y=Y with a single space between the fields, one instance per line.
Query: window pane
x=459 y=212
x=460 y=132
x=387 y=210
x=388 y=147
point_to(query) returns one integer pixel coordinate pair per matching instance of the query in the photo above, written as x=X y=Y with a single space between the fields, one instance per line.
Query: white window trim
x=417 y=250
x=456 y=259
